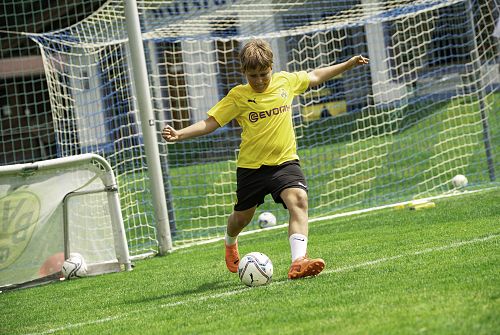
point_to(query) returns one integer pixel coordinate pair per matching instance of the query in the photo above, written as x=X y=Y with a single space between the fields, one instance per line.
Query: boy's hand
x=169 y=134
x=358 y=60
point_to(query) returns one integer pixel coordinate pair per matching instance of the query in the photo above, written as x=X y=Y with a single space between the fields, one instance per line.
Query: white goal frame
x=104 y=172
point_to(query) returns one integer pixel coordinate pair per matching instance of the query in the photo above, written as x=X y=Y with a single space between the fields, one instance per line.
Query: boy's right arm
x=200 y=128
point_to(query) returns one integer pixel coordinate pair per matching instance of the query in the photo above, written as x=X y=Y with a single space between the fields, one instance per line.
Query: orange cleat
x=305 y=267
x=232 y=257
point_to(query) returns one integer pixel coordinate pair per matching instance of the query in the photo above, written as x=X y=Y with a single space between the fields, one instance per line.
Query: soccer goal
x=52 y=208
x=425 y=109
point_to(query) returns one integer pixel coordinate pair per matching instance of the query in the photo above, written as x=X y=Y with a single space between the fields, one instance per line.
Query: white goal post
x=52 y=208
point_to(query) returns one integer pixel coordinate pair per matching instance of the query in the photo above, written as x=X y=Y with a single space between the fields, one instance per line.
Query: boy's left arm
x=320 y=75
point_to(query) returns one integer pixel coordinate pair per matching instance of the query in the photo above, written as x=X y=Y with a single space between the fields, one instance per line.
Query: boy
x=268 y=161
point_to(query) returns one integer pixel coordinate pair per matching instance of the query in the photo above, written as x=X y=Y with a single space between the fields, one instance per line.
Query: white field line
x=410 y=254
x=245 y=289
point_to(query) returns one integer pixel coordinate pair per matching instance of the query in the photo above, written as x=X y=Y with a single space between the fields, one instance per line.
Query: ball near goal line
x=266 y=220
x=459 y=181
x=74 y=267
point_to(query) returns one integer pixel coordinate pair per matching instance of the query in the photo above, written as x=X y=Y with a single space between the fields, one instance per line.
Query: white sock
x=298 y=245
x=230 y=240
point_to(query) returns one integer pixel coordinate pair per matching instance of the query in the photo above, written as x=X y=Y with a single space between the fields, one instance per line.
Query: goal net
x=425 y=109
x=56 y=207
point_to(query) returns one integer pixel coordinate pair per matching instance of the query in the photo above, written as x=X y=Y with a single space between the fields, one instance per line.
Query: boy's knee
x=300 y=200
x=241 y=218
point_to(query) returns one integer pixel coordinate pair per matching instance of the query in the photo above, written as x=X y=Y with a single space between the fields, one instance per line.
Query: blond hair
x=256 y=54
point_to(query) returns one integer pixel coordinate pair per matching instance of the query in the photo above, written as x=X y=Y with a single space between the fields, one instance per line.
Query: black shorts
x=254 y=184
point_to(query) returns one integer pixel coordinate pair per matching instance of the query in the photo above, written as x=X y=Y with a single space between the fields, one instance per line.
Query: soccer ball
x=255 y=269
x=266 y=219
x=74 y=266
x=459 y=181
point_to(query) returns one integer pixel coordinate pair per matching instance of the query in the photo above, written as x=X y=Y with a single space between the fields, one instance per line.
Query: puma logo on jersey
x=252 y=100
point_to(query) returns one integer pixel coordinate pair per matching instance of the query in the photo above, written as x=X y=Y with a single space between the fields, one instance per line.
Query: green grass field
x=432 y=271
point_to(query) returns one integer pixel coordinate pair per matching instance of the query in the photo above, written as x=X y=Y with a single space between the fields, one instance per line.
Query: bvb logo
x=283 y=93
x=19 y=213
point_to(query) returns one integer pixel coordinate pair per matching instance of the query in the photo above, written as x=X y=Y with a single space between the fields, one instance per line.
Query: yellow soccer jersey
x=268 y=137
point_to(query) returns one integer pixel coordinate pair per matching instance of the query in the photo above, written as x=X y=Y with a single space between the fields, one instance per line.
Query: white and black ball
x=255 y=269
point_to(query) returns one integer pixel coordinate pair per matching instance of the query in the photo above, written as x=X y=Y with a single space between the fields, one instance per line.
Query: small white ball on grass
x=459 y=181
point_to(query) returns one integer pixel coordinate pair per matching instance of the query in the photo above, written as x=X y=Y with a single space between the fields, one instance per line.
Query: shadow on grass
x=215 y=287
